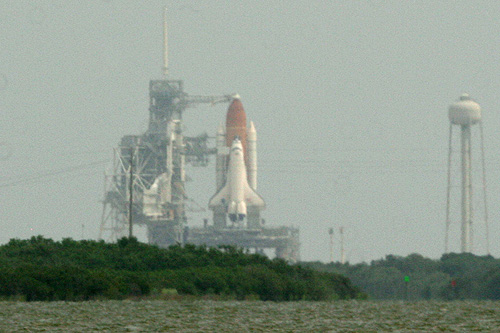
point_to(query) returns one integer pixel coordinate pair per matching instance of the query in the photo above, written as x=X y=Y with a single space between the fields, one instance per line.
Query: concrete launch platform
x=284 y=240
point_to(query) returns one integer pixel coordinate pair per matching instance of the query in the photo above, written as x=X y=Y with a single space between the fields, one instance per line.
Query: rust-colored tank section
x=236 y=125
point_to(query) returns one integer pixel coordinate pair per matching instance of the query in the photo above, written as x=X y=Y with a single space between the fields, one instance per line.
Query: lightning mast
x=342 y=249
x=330 y=232
x=165 y=43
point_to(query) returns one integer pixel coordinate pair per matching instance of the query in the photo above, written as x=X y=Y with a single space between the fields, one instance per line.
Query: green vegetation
x=42 y=269
x=454 y=276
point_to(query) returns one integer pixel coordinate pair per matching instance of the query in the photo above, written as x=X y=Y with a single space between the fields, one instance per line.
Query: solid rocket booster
x=220 y=162
x=252 y=156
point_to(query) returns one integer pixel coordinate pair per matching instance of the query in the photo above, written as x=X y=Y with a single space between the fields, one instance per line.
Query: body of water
x=228 y=316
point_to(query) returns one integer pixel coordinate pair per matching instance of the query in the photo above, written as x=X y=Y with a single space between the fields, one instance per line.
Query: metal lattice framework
x=158 y=157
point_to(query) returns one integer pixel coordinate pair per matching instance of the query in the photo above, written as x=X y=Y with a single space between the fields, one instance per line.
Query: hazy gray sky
x=349 y=99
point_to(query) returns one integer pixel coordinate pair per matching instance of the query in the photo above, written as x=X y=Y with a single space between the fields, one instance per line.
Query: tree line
x=453 y=276
x=41 y=269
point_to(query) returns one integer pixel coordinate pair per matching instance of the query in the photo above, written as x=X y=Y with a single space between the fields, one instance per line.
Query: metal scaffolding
x=159 y=158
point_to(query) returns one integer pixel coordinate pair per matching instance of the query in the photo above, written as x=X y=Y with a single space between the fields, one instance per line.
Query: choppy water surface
x=192 y=316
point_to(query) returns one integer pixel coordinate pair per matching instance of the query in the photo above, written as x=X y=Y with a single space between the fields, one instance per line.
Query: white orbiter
x=237 y=195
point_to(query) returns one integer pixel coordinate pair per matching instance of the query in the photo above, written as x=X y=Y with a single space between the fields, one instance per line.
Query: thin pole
x=342 y=253
x=484 y=191
x=131 y=192
x=447 y=231
x=330 y=232
x=165 y=43
x=103 y=216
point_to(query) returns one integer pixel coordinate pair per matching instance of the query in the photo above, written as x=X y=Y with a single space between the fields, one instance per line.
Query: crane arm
x=192 y=100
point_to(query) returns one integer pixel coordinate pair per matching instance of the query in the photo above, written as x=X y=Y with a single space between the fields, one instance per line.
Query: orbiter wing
x=253 y=199
x=220 y=198
x=223 y=197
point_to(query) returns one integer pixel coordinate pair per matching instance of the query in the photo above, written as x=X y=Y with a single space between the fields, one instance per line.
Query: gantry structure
x=158 y=159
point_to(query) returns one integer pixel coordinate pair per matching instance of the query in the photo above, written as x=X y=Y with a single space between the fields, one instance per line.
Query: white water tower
x=465 y=113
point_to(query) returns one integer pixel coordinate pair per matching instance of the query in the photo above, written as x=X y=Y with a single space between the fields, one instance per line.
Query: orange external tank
x=236 y=125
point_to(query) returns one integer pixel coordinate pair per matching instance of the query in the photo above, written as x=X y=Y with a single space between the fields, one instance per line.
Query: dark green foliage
x=42 y=269
x=476 y=277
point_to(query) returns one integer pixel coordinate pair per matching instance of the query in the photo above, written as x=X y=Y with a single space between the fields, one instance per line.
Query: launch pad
x=155 y=162
x=147 y=183
x=284 y=240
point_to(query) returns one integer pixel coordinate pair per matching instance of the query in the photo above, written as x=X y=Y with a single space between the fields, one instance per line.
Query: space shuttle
x=236 y=171
x=236 y=194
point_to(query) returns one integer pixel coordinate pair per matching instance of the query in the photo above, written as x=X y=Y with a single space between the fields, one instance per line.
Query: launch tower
x=158 y=159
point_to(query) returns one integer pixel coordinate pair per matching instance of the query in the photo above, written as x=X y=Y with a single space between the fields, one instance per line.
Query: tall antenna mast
x=131 y=193
x=330 y=232
x=165 y=43
x=342 y=251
